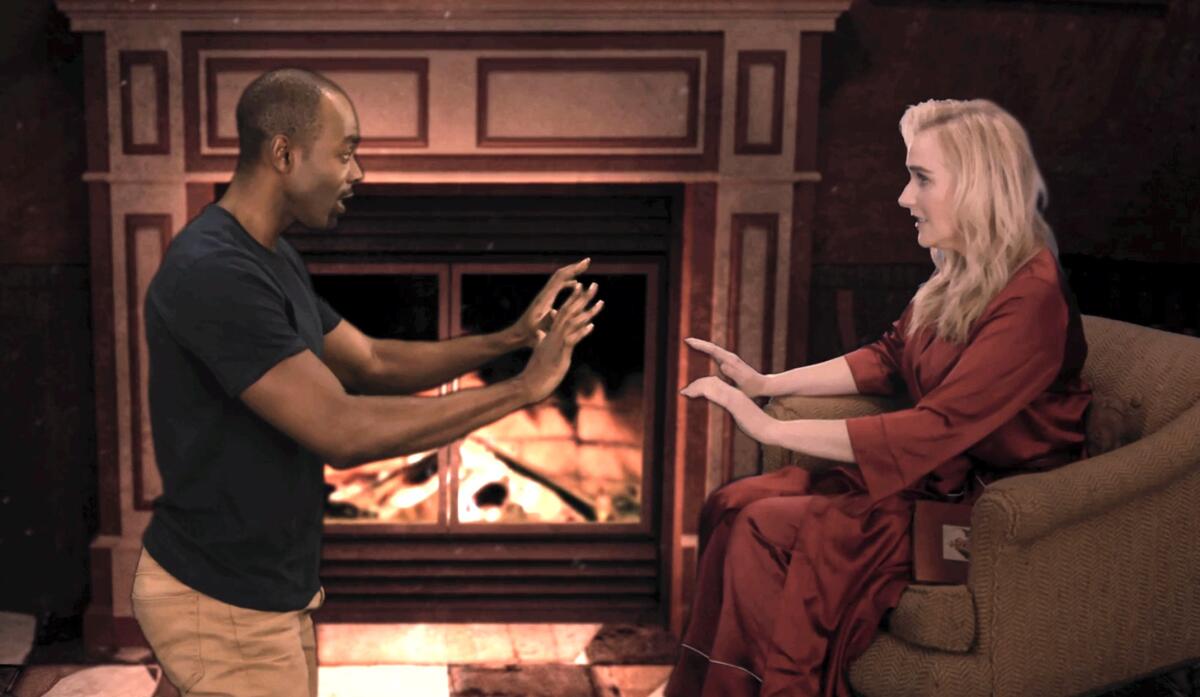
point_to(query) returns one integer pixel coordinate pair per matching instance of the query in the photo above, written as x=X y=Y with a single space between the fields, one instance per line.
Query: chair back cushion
x=1141 y=379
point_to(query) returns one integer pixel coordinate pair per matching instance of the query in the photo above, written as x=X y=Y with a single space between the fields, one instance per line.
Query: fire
x=534 y=465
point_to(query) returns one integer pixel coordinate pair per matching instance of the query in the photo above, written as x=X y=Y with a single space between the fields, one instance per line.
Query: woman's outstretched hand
x=748 y=416
x=732 y=368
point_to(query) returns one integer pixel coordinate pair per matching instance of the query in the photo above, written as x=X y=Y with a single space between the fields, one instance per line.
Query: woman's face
x=929 y=192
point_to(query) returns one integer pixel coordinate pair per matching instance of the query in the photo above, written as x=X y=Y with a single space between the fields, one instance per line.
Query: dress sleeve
x=876 y=366
x=1014 y=355
x=225 y=311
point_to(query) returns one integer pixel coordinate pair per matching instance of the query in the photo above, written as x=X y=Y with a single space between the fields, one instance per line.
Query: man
x=249 y=372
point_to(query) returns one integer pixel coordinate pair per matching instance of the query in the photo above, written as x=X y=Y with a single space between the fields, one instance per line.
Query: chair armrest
x=790 y=408
x=1029 y=506
x=1086 y=575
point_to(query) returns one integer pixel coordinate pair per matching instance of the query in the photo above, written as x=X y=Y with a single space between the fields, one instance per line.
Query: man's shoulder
x=206 y=251
x=208 y=240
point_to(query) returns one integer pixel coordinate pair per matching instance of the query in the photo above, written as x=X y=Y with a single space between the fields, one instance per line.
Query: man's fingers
x=570 y=271
x=575 y=336
x=578 y=300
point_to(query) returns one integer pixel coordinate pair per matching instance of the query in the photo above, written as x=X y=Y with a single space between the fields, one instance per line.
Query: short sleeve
x=876 y=366
x=225 y=310
x=329 y=316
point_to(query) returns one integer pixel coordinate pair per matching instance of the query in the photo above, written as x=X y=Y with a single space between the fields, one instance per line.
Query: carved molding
x=409 y=10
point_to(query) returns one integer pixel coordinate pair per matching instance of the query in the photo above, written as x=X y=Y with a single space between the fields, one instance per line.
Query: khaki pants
x=208 y=648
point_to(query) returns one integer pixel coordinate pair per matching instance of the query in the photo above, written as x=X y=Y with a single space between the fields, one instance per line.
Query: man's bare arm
x=302 y=397
x=388 y=366
x=391 y=366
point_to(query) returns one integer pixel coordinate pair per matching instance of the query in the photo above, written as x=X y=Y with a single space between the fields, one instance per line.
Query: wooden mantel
x=820 y=13
x=719 y=96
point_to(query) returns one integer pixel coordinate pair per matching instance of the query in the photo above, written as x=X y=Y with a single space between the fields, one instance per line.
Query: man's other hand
x=539 y=316
x=552 y=354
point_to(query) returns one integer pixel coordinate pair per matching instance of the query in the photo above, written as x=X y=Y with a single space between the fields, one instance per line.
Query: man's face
x=929 y=193
x=324 y=171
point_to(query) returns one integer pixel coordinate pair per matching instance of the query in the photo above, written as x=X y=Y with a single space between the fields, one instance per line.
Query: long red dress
x=797 y=569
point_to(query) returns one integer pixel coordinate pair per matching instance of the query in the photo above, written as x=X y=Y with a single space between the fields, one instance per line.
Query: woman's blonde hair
x=998 y=199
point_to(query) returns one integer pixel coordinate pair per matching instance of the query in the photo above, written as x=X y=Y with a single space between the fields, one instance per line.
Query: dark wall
x=47 y=478
x=1108 y=94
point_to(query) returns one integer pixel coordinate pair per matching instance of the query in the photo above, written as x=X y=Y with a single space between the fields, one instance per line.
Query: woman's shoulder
x=1036 y=287
x=1037 y=276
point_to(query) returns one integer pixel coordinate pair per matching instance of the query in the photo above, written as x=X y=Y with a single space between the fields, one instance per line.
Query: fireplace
x=558 y=501
x=674 y=143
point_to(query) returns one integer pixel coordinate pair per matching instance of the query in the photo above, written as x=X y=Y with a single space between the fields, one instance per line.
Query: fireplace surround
x=708 y=107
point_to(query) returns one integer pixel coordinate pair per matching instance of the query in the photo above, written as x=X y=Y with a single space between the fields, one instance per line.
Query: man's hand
x=744 y=411
x=552 y=354
x=539 y=316
x=729 y=365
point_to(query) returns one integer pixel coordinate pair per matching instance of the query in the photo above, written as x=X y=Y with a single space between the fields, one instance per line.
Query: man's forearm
x=381 y=427
x=406 y=367
x=833 y=377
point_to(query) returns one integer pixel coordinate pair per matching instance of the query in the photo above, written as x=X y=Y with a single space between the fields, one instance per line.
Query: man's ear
x=280 y=154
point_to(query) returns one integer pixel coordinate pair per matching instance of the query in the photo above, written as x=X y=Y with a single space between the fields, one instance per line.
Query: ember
x=534 y=465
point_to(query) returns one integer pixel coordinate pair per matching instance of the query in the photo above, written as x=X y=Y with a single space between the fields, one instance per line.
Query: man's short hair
x=284 y=101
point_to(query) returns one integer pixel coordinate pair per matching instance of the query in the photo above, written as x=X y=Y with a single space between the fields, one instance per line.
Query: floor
x=413 y=660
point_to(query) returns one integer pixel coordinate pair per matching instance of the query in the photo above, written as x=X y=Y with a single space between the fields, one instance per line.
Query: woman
x=797 y=568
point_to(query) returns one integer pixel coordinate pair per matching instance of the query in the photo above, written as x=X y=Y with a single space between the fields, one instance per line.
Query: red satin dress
x=797 y=569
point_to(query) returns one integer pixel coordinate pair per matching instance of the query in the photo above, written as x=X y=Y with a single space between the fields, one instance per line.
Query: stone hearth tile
x=34 y=681
x=544 y=680
x=479 y=643
x=369 y=644
x=103 y=679
x=573 y=640
x=383 y=681
x=628 y=644
x=629 y=681
x=537 y=643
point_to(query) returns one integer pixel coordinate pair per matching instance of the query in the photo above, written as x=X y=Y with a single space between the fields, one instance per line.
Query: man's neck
x=258 y=207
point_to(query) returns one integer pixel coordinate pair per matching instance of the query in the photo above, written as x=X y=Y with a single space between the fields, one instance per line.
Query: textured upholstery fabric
x=1081 y=577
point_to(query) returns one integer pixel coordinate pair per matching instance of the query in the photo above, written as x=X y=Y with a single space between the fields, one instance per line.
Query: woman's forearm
x=828 y=439
x=832 y=377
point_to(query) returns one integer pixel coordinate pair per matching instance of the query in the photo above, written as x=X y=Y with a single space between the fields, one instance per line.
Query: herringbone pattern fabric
x=936 y=617
x=892 y=667
x=1081 y=577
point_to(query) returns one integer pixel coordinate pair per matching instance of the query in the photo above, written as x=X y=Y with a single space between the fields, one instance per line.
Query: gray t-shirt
x=240 y=516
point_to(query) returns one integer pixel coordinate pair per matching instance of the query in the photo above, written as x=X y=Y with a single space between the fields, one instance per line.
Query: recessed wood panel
x=589 y=102
x=391 y=96
x=146 y=240
x=753 y=268
x=203 y=129
x=758 y=123
x=145 y=103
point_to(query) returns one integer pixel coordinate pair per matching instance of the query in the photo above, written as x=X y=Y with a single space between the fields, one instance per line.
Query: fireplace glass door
x=578 y=459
